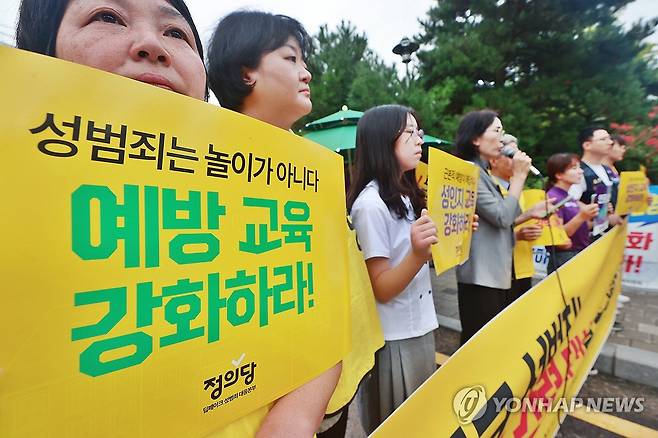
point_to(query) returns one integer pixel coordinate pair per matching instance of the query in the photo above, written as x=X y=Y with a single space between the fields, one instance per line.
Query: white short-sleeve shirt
x=382 y=234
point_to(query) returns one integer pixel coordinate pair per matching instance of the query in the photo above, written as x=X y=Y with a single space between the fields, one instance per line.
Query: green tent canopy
x=343 y=137
x=337 y=138
x=337 y=131
x=343 y=117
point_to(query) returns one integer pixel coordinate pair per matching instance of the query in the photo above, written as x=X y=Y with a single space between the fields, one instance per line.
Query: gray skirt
x=400 y=368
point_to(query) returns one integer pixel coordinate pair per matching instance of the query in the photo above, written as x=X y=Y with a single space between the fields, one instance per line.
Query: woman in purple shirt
x=563 y=171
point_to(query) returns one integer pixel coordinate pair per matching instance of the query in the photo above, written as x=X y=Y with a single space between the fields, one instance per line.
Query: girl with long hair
x=396 y=234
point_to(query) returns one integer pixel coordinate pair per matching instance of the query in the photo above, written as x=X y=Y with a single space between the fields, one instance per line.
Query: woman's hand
x=476 y=222
x=530 y=232
x=521 y=163
x=588 y=211
x=540 y=210
x=423 y=236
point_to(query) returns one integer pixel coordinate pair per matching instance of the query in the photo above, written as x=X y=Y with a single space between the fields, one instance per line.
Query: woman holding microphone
x=484 y=281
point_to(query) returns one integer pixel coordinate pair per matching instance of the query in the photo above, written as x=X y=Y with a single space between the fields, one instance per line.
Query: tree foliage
x=549 y=67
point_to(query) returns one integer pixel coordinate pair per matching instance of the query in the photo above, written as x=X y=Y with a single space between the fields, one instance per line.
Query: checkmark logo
x=236 y=362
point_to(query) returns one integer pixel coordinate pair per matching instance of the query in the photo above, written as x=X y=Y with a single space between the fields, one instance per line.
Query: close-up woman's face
x=282 y=80
x=146 y=40
x=408 y=145
x=489 y=143
x=571 y=174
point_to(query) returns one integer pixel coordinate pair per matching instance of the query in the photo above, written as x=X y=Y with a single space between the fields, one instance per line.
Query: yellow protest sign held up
x=166 y=263
x=451 y=196
x=509 y=378
x=552 y=231
x=633 y=193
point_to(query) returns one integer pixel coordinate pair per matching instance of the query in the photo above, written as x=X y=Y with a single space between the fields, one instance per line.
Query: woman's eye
x=176 y=33
x=292 y=59
x=106 y=17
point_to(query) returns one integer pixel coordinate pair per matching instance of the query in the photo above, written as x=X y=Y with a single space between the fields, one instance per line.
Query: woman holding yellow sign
x=263 y=75
x=156 y=42
x=395 y=233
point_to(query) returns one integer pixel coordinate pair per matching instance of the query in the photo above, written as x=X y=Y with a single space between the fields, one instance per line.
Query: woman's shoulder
x=556 y=192
x=369 y=198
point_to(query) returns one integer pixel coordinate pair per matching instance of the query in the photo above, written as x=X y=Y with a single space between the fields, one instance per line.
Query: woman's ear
x=249 y=77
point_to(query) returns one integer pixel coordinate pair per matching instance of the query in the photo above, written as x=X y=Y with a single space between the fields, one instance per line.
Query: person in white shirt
x=596 y=144
x=395 y=234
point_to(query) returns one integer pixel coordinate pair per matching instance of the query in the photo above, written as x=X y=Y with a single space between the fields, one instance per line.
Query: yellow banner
x=451 y=197
x=633 y=193
x=165 y=262
x=511 y=377
x=552 y=231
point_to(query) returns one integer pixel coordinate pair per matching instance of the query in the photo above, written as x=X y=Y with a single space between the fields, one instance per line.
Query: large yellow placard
x=168 y=266
x=510 y=378
x=451 y=195
x=633 y=193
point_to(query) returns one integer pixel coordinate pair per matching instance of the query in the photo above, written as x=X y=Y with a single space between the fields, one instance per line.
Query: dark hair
x=239 y=42
x=618 y=139
x=39 y=21
x=586 y=134
x=558 y=163
x=472 y=126
x=376 y=133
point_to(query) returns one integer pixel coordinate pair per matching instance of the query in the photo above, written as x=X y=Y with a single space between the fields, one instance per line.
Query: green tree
x=549 y=67
x=641 y=144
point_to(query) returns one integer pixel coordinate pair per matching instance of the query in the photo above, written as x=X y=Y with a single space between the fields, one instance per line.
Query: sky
x=385 y=22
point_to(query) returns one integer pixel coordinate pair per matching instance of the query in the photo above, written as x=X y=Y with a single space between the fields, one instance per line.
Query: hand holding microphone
x=522 y=159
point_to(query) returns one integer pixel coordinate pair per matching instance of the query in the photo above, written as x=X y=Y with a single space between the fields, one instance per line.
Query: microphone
x=558 y=206
x=509 y=153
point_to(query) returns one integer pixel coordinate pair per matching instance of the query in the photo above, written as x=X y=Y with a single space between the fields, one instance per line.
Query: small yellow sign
x=451 y=196
x=552 y=231
x=633 y=193
x=421 y=175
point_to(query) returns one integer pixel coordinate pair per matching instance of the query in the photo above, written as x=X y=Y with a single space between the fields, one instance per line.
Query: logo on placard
x=223 y=387
x=468 y=403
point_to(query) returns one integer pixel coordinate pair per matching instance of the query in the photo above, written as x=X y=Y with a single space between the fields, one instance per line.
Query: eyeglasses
x=411 y=131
